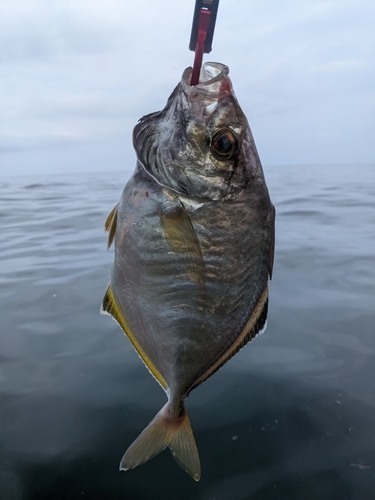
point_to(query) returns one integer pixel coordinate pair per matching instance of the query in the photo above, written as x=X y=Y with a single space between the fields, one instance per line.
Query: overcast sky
x=76 y=75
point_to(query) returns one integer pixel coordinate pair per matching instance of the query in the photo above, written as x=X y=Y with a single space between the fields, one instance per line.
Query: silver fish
x=194 y=245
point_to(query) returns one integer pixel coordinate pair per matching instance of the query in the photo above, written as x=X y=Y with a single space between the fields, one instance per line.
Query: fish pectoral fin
x=161 y=432
x=109 y=306
x=181 y=236
x=255 y=325
x=111 y=225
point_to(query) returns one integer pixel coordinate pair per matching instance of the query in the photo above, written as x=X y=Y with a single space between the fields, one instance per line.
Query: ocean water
x=292 y=416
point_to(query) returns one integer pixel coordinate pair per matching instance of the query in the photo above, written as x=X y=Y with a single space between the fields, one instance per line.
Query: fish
x=193 y=237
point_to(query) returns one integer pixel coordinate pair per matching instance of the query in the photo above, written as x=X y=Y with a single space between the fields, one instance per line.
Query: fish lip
x=213 y=86
x=222 y=70
x=214 y=82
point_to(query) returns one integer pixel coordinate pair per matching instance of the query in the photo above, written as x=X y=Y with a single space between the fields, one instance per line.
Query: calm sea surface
x=291 y=417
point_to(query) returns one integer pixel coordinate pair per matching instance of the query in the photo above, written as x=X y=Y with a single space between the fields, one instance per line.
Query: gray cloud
x=82 y=73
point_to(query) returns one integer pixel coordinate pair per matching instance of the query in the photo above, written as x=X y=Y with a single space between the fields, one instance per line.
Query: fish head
x=200 y=145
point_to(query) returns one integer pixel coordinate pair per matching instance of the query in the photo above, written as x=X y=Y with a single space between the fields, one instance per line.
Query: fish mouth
x=214 y=84
x=211 y=73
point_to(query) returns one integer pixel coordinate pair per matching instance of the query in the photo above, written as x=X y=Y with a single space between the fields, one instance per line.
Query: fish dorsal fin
x=255 y=325
x=110 y=306
x=180 y=234
x=111 y=225
x=272 y=246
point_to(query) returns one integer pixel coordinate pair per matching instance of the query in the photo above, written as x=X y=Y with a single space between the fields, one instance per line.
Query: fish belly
x=184 y=315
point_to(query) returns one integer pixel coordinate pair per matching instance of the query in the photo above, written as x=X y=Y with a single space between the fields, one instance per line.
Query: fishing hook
x=202 y=33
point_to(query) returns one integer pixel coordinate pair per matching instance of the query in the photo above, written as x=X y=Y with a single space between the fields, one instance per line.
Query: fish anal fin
x=111 y=225
x=255 y=325
x=181 y=236
x=110 y=306
x=161 y=432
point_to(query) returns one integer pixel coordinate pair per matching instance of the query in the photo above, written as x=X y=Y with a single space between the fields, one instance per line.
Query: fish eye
x=224 y=145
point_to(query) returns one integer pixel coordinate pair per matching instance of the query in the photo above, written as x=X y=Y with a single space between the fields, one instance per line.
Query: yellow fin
x=180 y=234
x=255 y=325
x=110 y=225
x=110 y=306
x=161 y=432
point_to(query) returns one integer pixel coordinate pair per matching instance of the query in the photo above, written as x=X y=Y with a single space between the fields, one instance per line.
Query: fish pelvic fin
x=111 y=225
x=163 y=431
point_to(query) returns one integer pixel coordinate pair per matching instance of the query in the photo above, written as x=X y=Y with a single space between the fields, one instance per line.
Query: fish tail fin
x=161 y=432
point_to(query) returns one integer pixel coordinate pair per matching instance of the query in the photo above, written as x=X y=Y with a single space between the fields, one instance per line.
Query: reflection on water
x=292 y=416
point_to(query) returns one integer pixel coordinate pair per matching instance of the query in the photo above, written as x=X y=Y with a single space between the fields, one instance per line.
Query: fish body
x=194 y=243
